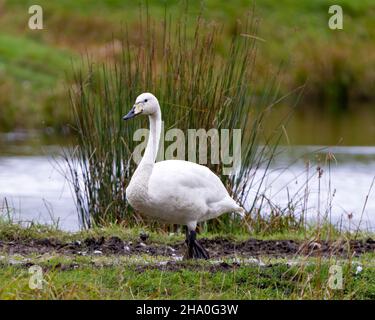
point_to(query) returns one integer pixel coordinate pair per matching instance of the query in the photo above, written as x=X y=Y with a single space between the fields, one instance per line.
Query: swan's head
x=146 y=104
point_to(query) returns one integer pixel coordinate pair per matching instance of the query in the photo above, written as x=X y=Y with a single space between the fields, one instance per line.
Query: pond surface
x=33 y=186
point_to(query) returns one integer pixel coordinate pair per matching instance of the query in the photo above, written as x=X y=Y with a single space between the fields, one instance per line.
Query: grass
x=75 y=276
x=122 y=282
x=134 y=277
x=34 y=83
x=336 y=64
x=10 y=231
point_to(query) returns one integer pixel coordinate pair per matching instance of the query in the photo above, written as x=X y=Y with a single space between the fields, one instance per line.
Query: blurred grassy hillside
x=339 y=66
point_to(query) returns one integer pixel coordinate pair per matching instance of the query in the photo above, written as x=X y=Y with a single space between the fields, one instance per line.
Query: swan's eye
x=145 y=100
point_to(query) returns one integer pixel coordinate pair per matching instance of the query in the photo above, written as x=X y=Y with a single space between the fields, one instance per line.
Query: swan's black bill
x=131 y=114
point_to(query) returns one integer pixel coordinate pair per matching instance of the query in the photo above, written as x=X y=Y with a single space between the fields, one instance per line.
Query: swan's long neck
x=152 y=147
x=143 y=172
x=137 y=190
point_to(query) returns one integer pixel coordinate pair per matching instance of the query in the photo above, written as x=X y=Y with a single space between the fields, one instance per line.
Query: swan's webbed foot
x=194 y=248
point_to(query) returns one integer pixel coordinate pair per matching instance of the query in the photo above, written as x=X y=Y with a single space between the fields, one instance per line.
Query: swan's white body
x=174 y=191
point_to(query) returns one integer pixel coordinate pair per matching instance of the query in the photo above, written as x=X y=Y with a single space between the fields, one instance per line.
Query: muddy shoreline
x=217 y=248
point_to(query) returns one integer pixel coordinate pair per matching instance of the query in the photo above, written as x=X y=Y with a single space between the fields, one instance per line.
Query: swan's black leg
x=189 y=252
x=194 y=248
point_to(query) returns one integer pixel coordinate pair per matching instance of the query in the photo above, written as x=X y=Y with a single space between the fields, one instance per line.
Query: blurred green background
x=35 y=65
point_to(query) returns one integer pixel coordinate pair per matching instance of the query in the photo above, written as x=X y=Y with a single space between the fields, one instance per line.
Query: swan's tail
x=241 y=211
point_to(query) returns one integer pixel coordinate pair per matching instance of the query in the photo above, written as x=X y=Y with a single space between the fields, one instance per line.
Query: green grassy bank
x=34 y=64
x=98 y=275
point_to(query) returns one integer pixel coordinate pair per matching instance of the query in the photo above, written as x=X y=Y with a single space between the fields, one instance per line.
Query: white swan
x=175 y=191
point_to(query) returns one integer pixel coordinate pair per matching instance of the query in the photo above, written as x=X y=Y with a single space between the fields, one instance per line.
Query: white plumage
x=175 y=191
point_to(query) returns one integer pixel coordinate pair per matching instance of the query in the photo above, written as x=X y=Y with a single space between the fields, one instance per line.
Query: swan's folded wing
x=185 y=179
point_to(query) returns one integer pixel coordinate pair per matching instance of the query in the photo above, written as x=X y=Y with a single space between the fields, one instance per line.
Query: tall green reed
x=197 y=87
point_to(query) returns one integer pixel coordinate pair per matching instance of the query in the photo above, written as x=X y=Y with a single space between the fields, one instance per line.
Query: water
x=32 y=175
x=339 y=194
x=36 y=190
x=32 y=183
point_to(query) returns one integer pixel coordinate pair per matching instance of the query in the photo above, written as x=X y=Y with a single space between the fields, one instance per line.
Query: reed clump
x=197 y=89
